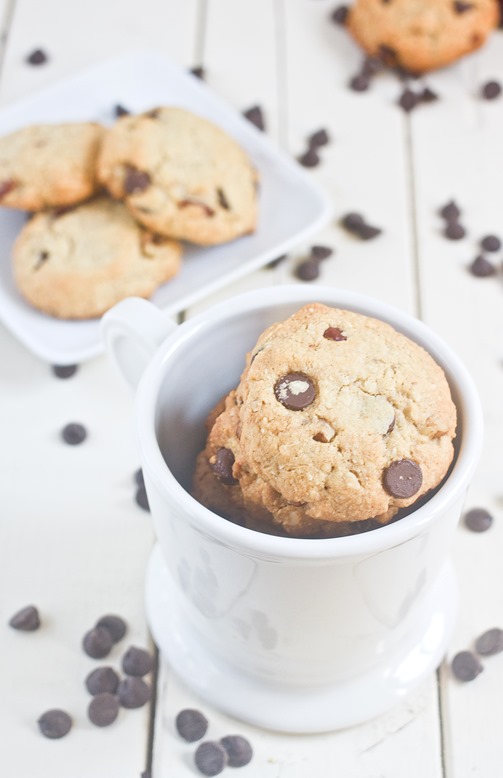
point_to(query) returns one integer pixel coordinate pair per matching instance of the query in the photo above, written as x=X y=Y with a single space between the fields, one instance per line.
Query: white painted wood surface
x=71 y=537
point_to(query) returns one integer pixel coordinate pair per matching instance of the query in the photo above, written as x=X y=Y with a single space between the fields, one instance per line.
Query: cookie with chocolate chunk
x=76 y=263
x=180 y=176
x=338 y=420
x=49 y=165
x=422 y=35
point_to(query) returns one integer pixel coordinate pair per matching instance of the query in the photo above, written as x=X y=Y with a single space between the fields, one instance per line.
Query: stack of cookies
x=109 y=206
x=339 y=423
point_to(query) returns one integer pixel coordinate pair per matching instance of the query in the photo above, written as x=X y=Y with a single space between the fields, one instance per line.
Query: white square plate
x=291 y=206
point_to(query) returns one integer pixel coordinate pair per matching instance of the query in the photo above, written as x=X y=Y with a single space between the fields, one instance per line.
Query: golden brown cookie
x=180 y=176
x=421 y=35
x=76 y=263
x=338 y=418
x=49 y=165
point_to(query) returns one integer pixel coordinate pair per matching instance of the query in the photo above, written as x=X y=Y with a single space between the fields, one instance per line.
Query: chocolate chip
x=352 y=221
x=198 y=72
x=55 y=723
x=133 y=692
x=340 y=14
x=454 y=231
x=309 y=158
x=114 y=624
x=138 y=477
x=103 y=679
x=318 y=138
x=191 y=724
x=490 y=243
x=359 y=83
x=408 y=100
x=103 y=709
x=119 y=111
x=26 y=620
x=74 y=433
x=295 y=391
x=142 y=499
x=255 y=115
x=465 y=666
x=482 y=267
x=367 y=232
x=308 y=270
x=64 y=371
x=334 y=333
x=210 y=758
x=490 y=642
x=6 y=187
x=478 y=520
x=371 y=66
x=97 y=642
x=222 y=199
x=37 y=57
x=428 y=95
x=450 y=212
x=403 y=478
x=137 y=661
x=222 y=466
x=321 y=252
x=491 y=90
x=239 y=750
x=461 y=7
x=135 y=180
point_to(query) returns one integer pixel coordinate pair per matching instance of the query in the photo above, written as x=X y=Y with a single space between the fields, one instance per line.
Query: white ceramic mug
x=298 y=635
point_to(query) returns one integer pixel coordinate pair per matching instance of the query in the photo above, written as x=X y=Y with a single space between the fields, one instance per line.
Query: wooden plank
x=457 y=154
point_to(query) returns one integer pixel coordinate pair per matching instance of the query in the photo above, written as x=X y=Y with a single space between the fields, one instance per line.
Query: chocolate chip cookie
x=49 y=165
x=76 y=263
x=421 y=35
x=338 y=422
x=180 y=176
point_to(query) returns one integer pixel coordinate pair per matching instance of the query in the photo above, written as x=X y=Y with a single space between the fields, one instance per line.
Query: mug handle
x=131 y=332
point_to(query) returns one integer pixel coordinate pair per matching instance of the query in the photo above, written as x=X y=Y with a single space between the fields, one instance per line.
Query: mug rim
x=261 y=544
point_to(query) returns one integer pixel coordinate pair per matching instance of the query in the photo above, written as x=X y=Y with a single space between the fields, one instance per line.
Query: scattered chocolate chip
x=454 y=231
x=309 y=158
x=142 y=499
x=352 y=221
x=321 y=252
x=198 y=72
x=450 y=211
x=138 y=477
x=428 y=95
x=490 y=243
x=222 y=199
x=403 y=478
x=482 y=267
x=135 y=180
x=191 y=724
x=334 y=333
x=64 y=371
x=55 y=724
x=340 y=14
x=37 y=57
x=74 y=433
x=318 y=138
x=359 y=83
x=478 y=520
x=6 y=187
x=114 y=624
x=222 y=466
x=210 y=758
x=103 y=679
x=103 y=709
x=465 y=666
x=255 y=115
x=137 y=661
x=308 y=270
x=97 y=642
x=26 y=620
x=491 y=90
x=239 y=750
x=490 y=642
x=408 y=100
x=295 y=391
x=367 y=232
x=198 y=203
x=371 y=66
x=133 y=692
x=461 y=7
x=119 y=111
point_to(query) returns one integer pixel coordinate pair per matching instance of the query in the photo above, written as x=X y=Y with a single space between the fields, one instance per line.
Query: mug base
x=300 y=710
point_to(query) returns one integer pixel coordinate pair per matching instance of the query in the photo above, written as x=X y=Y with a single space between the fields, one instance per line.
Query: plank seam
x=411 y=182
x=5 y=28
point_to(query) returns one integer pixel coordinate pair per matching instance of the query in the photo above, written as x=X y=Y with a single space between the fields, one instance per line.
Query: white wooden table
x=72 y=539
